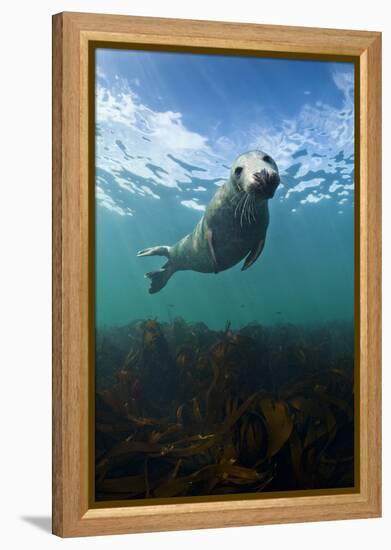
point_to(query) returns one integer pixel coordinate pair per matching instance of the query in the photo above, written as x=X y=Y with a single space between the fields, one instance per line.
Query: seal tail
x=159 y=278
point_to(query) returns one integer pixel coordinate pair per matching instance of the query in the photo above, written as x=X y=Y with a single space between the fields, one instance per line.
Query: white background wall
x=25 y=271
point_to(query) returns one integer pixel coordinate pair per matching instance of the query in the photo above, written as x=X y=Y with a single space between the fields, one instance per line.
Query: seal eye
x=266 y=158
x=238 y=170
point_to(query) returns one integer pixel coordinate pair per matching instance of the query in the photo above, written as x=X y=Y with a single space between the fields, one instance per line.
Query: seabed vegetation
x=184 y=411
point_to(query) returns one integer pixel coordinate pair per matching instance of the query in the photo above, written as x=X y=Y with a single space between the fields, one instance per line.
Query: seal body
x=233 y=226
x=220 y=228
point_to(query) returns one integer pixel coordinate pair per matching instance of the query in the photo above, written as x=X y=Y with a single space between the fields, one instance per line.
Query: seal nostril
x=261 y=178
x=265 y=182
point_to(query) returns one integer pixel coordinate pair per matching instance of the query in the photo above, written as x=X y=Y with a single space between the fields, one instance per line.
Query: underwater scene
x=224 y=275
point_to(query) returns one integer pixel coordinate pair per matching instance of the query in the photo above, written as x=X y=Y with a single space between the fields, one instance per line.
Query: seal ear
x=253 y=255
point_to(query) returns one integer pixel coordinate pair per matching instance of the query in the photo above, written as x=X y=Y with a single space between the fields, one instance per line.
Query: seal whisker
x=250 y=213
x=249 y=210
x=242 y=211
x=237 y=206
x=253 y=209
x=240 y=203
x=253 y=212
x=246 y=207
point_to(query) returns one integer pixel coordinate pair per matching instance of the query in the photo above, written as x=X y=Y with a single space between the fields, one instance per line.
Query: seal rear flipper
x=155 y=251
x=253 y=255
x=159 y=279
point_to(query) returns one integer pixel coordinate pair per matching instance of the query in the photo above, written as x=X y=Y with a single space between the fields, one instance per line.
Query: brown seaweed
x=186 y=411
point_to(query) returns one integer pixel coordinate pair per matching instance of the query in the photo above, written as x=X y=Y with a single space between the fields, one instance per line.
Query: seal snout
x=265 y=183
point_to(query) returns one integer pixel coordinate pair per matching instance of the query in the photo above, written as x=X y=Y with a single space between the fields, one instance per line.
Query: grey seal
x=233 y=226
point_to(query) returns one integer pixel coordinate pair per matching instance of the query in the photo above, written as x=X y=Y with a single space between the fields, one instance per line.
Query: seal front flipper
x=253 y=255
x=209 y=238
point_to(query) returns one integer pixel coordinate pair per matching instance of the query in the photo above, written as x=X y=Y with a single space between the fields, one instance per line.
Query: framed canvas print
x=216 y=274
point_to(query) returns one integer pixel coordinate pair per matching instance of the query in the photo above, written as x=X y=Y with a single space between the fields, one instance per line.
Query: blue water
x=168 y=129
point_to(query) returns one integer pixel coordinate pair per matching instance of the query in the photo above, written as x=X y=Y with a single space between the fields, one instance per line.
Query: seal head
x=256 y=173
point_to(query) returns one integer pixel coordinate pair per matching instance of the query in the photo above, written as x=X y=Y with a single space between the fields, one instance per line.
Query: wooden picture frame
x=73 y=33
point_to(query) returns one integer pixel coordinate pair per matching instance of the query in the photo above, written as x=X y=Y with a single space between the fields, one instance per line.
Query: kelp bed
x=182 y=410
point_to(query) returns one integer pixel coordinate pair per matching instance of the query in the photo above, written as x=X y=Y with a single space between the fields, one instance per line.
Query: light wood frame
x=72 y=32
